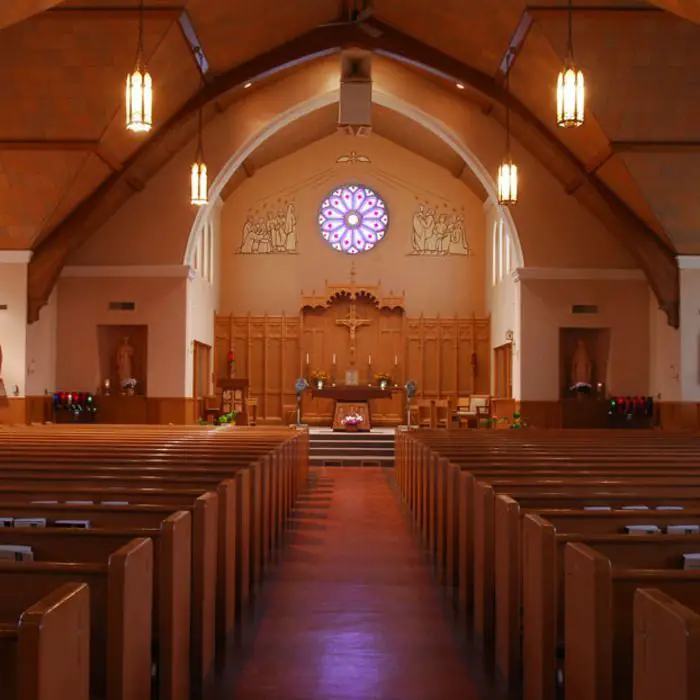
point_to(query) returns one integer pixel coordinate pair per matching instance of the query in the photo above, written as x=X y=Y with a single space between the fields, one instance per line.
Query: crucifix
x=352 y=323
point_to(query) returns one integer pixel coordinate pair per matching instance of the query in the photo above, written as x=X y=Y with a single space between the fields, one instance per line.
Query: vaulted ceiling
x=67 y=163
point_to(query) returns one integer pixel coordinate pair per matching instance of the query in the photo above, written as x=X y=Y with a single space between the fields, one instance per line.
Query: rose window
x=353 y=219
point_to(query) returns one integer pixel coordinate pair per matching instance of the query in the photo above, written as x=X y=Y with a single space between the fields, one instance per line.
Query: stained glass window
x=353 y=219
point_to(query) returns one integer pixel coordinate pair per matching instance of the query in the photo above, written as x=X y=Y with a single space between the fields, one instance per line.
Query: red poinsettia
x=230 y=356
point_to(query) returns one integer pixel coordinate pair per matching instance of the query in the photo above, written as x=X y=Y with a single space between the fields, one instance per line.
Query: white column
x=13 y=321
x=689 y=327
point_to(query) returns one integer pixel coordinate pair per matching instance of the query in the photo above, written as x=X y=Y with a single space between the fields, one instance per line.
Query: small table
x=352 y=399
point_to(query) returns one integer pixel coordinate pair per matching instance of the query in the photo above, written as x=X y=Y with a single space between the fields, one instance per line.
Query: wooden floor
x=351 y=612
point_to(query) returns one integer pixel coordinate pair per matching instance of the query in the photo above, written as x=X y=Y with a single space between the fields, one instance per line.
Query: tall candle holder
x=369 y=371
x=333 y=370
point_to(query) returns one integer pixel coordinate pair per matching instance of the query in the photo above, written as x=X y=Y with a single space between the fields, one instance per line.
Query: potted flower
x=129 y=386
x=352 y=421
x=382 y=379
x=319 y=378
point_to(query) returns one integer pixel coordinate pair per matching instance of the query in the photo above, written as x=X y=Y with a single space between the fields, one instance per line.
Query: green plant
x=226 y=418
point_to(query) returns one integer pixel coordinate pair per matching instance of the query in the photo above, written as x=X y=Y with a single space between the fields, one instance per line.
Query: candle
x=396 y=360
x=307 y=358
x=333 y=358
x=369 y=360
x=107 y=383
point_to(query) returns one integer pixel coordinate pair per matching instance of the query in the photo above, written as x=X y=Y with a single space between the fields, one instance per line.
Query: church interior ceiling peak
x=65 y=64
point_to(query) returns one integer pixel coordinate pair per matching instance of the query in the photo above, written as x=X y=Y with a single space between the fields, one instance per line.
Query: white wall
x=664 y=355
x=203 y=295
x=13 y=321
x=502 y=291
x=41 y=349
x=690 y=327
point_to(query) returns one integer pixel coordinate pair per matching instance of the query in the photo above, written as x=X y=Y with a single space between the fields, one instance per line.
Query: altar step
x=329 y=449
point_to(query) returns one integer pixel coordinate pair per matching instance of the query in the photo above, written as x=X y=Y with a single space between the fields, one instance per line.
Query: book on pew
x=30 y=522
x=642 y=529
x=114 y=503
x=669 y=507
x=83 y=524
x=80 y=503
x=635 y=507
x=16 y=552
x=683 y=529
x=691 y=562
x=44 y=503
x=597 y=508
x=7 y=522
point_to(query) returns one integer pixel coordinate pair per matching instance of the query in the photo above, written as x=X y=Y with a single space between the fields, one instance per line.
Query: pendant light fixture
x=571 y=91
x=507 y=181
x=198 y=175
x=139 y=90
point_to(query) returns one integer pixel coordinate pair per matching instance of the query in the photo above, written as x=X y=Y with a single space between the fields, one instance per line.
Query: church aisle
x=351 y=613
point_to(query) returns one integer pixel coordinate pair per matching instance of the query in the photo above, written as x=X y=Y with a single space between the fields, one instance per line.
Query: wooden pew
x=120 y=613
x=543 y=581
x=204 y=515
x=666 y=647
x=598 y=614
x=45 y=648
x=172 y=573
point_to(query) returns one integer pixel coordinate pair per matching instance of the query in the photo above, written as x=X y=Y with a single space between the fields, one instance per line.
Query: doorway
x=503 y=371
x=201 y=377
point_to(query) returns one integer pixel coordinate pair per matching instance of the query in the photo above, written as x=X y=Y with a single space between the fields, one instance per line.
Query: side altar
x=349 y=400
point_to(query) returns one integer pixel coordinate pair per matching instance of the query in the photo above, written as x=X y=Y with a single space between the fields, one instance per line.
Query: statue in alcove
x=581 y=366
x=125 y=361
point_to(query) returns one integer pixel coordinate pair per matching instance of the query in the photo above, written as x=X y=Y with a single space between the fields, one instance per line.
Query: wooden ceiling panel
x=640 y=70
x=472 y=32
x=87 y=178
x=175 y=79
x=233 y=31
x=67 y=77
x=669 y=182
x=31 y=186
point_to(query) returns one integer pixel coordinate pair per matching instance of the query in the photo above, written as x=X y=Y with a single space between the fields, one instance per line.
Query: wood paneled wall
x=447 y=357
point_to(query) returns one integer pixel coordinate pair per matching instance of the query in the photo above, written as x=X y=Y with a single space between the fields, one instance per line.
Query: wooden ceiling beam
x=48 y=144
x=541 y=12
x=655 y=146
x=653 y=255
x=592 y=167
x=131 y=12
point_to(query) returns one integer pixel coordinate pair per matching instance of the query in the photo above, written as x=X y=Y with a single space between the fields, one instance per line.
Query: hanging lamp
x=571 y=91
x=198 y=175
x=139 y=90
x=507 y=181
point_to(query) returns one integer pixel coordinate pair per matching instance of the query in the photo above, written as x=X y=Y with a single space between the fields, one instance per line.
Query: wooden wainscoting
x=447 y=357
x=12 y=410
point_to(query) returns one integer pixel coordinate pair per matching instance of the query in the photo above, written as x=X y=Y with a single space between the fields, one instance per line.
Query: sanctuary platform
x=367 y=449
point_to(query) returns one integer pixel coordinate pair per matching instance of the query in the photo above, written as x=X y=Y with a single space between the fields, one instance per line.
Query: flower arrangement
x=383 y=379
x=581 y=388
x=353 y=419
x=319 y=377
x=129 y=386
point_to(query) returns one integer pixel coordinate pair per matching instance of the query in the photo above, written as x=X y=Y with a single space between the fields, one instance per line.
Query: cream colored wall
x=546 y=307
x=41 y=349
x=690 y=328
x=13 y=325
x=161 y=304
x=259 y=284
x=203 y=302
x=502 y=293
x=664 y=355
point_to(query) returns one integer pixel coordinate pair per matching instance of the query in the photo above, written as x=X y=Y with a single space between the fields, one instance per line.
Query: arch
x=428 y=122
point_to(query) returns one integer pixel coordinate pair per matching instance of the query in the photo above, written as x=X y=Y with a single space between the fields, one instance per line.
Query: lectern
x=234 y=398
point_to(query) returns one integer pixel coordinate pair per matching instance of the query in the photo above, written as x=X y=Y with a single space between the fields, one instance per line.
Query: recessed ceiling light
x=460 y=86
x=247 y=85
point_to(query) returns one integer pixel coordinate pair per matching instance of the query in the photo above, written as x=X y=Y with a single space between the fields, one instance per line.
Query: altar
x=350 y=400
